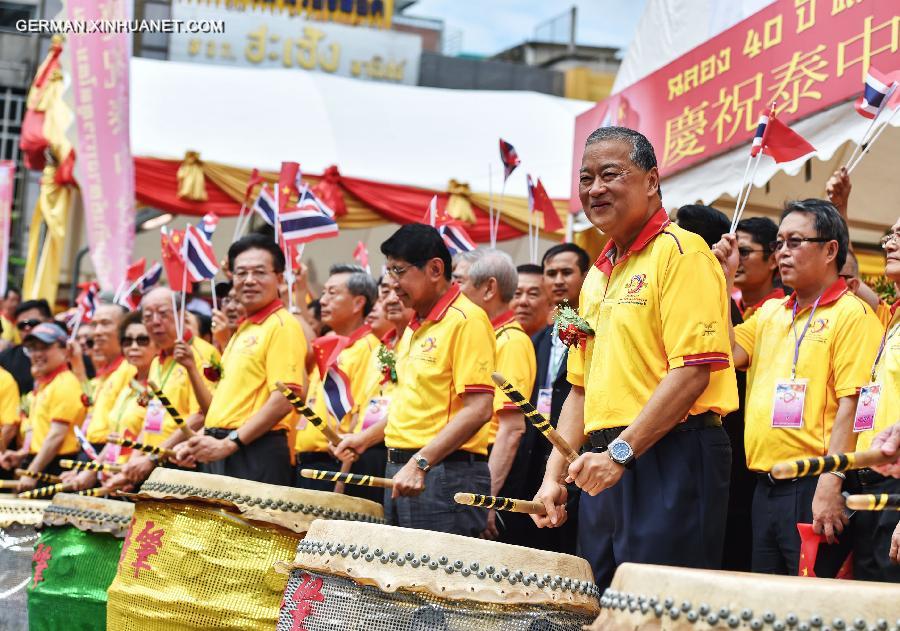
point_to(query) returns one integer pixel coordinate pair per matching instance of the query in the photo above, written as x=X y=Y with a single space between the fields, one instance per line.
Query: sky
x=489 y=26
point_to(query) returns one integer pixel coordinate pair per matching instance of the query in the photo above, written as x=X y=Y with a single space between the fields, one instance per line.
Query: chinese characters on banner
x=7 y=189
x=103 y=164
x=807 y=55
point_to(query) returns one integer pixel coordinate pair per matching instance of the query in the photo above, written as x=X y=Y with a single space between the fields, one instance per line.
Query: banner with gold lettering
x=806 y=55
x=99 y=68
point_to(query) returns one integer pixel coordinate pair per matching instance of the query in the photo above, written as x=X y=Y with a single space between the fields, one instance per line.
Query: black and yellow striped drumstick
x=179 y=421
x=40 y=477
x=347 y=478
x=147 y=449
x=44 y=491
x=105 y=467
x=500 y=503
x=95 y=492
x=881 y=501
x=306 y=411
x=789 y=470
x=536 y=418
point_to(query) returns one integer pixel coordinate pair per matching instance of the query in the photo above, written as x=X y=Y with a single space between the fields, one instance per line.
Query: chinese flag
x=287 y=183
x=783 y=143
x=171 y=246
x=544 y=205
x=135 y=271
x=255 y=178
x=361 y=254
x=818 y=558
x=327 y=348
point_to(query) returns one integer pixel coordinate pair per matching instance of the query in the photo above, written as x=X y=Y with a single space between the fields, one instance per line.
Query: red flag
x=361 y=254
x=171 y=246
x=327 y=348
x=135 y=271
x=288 y=183
x=255 y=179
x=544 y=205
x=509 y=157
x=783 y=143
x=809 y=553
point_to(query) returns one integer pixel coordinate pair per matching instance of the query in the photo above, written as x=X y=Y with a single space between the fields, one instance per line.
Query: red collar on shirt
x=111 y=367
x=439 y=310
x=894 y=306
x=359 y=334
x=831 y=295
x=390 y=338
x=503 y=319
x=260 y=316
x=654 y=226
x=775 y=294
x=46 y=379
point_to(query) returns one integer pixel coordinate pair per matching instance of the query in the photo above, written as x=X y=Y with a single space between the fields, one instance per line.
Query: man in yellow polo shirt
x=650 y=386
x=489 y=279
x=9 y=410
x=438 y=421
x=808 y=355
x=246 y=428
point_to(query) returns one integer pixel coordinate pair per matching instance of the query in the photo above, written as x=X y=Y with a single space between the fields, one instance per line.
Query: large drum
x=75 y=561
x=18 y=533
x=659 y=597
x=202 y=548
x=364 y=577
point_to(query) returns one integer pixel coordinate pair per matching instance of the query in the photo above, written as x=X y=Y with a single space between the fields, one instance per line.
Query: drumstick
x=537 y=419
x=348 y=478
x=95 y=492
x=9 y=484
x=881 y=501
x=306 y=411
x=147 y=449
x=40 y=477
x=90 y=466
x=789 y=470
x=187 y=431
x=500 y=503
x=44 y=491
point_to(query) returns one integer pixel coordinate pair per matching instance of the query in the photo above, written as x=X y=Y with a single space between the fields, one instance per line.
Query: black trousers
x=873 y=530
x=52 y=467
x=669 y=508
x=267 y=459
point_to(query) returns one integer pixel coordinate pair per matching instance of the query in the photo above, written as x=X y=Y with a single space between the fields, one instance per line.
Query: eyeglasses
x=89 y=342
x=27 y=324
x=888 y=239
x=142 y=340
x=746 y=252
x=793 y=243
x=244 y=274
x=396 y=271
x=162 y=314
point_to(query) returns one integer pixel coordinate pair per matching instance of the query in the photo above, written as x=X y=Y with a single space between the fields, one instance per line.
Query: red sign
x=805 y=55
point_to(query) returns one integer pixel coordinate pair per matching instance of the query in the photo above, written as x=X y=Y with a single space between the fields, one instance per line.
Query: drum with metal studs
x=19 y=520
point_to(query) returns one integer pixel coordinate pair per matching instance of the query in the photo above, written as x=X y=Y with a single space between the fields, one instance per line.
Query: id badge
x=787 y=407
x=112 y=453
x=376 y=411
x=153 y=419
x=866 y=407
x=545 y=397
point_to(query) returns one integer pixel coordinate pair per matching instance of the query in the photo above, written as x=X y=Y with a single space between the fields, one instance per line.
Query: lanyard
x=163 y=380
x=884 y=340
x=799 y=340
x=129 y=393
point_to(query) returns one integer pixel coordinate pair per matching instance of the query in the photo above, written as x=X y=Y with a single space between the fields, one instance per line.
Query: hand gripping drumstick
x=179 y=421
x=347 y=478
x=537 y=419
x=147 y=449
x=40 y=477
x=824 y=464
x=500 y=503
x=306 y=411
x=44 y=491
x=90 y=466
x=881 y=501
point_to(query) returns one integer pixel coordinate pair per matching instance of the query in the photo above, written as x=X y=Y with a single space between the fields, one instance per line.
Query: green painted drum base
x=70 y=592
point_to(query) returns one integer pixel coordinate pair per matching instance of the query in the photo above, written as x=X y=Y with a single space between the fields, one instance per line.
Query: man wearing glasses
x=28 y=315
x=437 y=427
x=807 y=357
x=757 y=270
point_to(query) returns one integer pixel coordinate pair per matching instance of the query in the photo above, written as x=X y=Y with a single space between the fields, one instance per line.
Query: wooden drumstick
x=9 y=484
x=536 y=418
x=347 y=478
x=881 y=501
x=95 y=492
x=306 y=411
x=500 y=503
x=179 y=421
x=90 y=466
x=147 y=449
x=823 y=464
x=40 y=477
x=44 y=491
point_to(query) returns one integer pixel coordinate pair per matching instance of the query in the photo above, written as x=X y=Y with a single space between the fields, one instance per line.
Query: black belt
x=222 y=432
x=601 y=438
x=769 y=480
x=402 y=456
x=867 y=477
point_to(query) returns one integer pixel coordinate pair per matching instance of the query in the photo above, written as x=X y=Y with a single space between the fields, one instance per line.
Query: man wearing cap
x=58 y=405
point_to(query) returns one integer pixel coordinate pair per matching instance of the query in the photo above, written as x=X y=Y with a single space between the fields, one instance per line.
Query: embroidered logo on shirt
x=428 y=345
x=636 y=283
x=819 y=325
x=709 y=328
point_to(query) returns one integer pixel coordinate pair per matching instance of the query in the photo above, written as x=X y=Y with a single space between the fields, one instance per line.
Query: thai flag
x=338 y=398
x=87 y=300
x=264 y=205
x=456 y=238
x=309 y=201
x=151 y=277
x=208 y=225
x=757 y=145
x=509 y=157
x=199 y=256
x=877 y=87
x=304 y=225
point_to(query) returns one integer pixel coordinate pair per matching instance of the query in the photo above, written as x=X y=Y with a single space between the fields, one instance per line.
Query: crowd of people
x=683 y=364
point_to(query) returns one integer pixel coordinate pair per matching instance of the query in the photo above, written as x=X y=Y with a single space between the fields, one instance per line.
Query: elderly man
x=113 y=373
x=531 y=302
x=650 y=386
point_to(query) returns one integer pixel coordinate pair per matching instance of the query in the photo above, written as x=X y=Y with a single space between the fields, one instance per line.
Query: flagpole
x=183 y=282
x=212 y=287
x=277 y=215
x=570 y=228
x=860 y=146
x=78 y=320
x=868 y=146
x=175 y=315
x=491 y=201
x=133 y=286
x=740 y=211
x=740 y=194
x=496 y=230
x=238 y=227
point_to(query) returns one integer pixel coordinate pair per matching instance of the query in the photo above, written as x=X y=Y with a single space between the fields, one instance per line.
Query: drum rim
x=90 y=514
x=22 y=512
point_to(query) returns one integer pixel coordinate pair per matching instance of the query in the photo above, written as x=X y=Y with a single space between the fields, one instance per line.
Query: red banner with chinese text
x=805 y=54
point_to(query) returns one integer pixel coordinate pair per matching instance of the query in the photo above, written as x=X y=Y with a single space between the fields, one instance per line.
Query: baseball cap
x=47 y=333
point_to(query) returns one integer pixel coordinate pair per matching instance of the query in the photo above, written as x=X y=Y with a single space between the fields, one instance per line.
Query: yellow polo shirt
x=355 y=361
x=449 y=353
x=268 y=346
x=835 y=356
x=57 y=399
x=172 y=378
x=887 y=373
x=126 y=415
x=10 y=332
x=515 y=361
x=663 y=304
x=9 y=399
x=885 y=312
x=105 y=390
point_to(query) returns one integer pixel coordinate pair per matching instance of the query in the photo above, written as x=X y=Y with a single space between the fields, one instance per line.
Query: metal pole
x=76 y=273
x=572 y=28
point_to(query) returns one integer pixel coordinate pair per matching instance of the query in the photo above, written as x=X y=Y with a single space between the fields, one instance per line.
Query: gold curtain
x=42 y=266
x=190 y=178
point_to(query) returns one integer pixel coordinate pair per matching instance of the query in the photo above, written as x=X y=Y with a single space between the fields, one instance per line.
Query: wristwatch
x=422 y=463
x=621 y=452
x=233 y=436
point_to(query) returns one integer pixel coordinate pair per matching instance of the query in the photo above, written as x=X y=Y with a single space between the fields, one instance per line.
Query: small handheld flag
x=208 y=225
x=456 y=238
x=305 y=225
x=289 y=179
x=172 y=259
x=338 y=398
x=509 y=157
x=361 y=255
x=876 y=92
x=757 y=144
x=150 y=279
x=200 y=257
x=264 y=206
